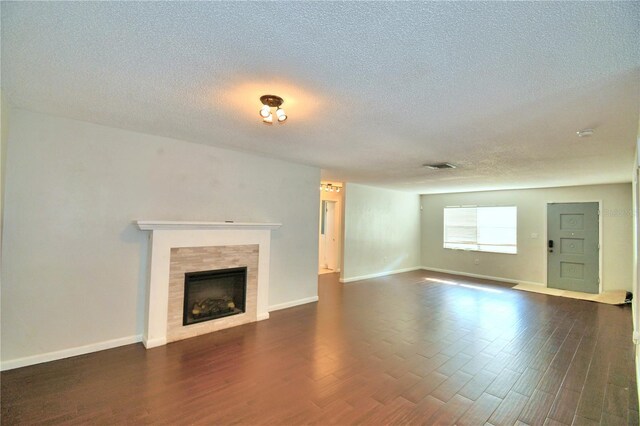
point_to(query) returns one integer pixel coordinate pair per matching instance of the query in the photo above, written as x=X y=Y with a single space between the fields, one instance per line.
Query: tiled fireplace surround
x=180 y=247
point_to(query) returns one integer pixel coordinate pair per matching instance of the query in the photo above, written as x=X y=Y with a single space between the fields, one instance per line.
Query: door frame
x=546 y=239
x=332 y=242
x=338 y=231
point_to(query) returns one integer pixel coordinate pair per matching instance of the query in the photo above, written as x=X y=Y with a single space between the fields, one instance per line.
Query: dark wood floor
x=396 y=350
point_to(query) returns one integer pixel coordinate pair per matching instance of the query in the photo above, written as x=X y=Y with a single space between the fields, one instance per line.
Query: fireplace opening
x=209 y=295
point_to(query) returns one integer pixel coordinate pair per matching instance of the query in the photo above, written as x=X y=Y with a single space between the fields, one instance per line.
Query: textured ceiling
x=372 y=90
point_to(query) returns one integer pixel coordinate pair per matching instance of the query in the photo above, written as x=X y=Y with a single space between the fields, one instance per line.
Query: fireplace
x=210 y=295
x=180 y=248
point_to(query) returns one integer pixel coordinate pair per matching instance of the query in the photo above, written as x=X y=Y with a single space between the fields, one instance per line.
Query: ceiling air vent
x=440 y=166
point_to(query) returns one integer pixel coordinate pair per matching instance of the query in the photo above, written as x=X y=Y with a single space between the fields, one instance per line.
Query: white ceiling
x=372 y=90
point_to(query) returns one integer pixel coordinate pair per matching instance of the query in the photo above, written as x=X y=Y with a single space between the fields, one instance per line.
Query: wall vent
x=440 y=166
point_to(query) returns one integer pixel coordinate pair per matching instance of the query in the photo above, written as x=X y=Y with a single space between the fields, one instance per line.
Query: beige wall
x=4 y=132
x=636 y=251
x=636 y=240
x=74 y=265
x=529 y=265
x=382 y=232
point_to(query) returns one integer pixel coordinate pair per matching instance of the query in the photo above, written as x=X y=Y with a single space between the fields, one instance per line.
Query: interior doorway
x=330 y=228
x=327 y=234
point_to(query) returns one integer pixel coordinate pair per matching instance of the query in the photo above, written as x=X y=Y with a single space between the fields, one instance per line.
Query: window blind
x=491 y=229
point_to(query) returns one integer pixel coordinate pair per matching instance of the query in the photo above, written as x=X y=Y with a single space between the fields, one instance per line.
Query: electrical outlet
x=477 y=261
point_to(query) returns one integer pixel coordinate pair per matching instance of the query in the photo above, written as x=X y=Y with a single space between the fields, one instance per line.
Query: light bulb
x=338 y=189
x=268 y=119
x=281 y=115
x=326 y=188
x=320 y=187
x=265 y=111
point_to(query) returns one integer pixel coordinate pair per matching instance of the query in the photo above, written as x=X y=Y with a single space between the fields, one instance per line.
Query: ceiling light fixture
x=585 y=133
x=440 y=166
x=268 y=102
x=329 y=187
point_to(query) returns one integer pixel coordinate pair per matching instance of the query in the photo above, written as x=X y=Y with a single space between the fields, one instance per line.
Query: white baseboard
x=109 y=344
x=379 y=274
x=293 y=303
x=153 y=343
x=484 y=277
x=67 y=353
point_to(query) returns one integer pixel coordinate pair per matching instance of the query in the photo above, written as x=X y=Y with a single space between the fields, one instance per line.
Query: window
x=492 y=229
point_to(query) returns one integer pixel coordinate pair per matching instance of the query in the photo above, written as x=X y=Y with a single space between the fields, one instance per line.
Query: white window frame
x=473 y=244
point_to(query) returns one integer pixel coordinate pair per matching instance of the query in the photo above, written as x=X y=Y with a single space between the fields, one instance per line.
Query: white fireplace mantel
x=168 y=225
x=166 y=235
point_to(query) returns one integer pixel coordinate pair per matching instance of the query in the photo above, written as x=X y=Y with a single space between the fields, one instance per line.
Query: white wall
x=530 y=262
x=74 y=266
x=381 y=233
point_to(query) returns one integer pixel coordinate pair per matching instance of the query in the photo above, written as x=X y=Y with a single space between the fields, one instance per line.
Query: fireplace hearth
x=210 y=295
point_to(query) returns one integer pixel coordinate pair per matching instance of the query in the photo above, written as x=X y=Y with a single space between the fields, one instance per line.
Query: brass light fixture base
x=271 y=100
